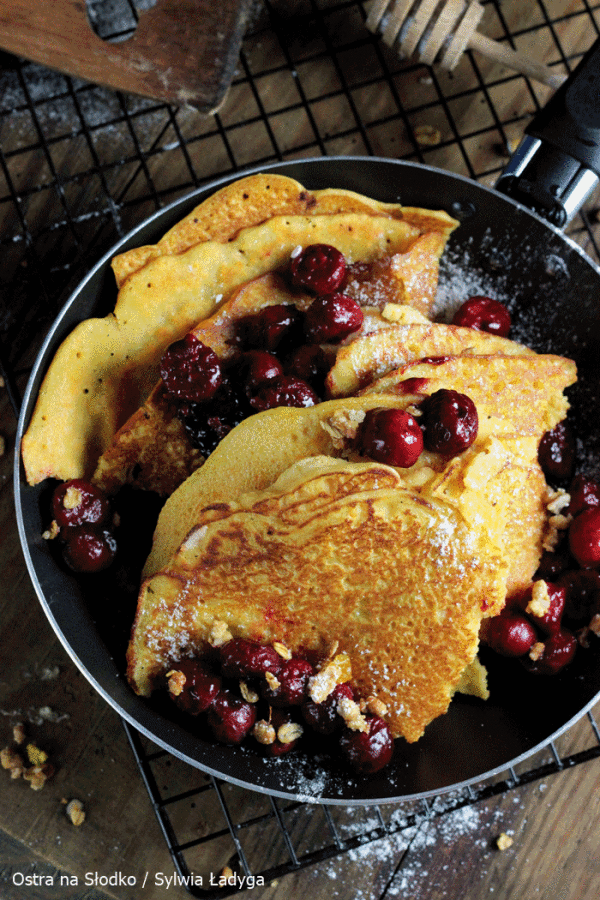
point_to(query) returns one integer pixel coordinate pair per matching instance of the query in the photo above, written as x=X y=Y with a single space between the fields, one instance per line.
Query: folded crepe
x=516 y=396
x=334 y=552
x=256 y=198
x=525 y=390
x=152 y=449
x=106 y=368
x=375 y=354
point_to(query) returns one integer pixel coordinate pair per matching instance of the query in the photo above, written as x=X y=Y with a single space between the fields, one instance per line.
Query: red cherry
x=331 y=318
x=241 y=658
x=324 y=717
x=450 y=421
x=88 y=549
x=293 y=684
x=78 y=502
x=584 y=538
x=368 y=751
x=556 y=453
x=582 y=595
x=585 y=494
x=191 y=370
x=319 y=268
x=284 y=391
x=310 y=363
x=256 y=367
x=391 y=436
x=230 y=718
x=553 y=563
x=484 y=314
x=559 y=651
x=200 y=688
x=550 y=621
x=510 y=634
x=267 y=329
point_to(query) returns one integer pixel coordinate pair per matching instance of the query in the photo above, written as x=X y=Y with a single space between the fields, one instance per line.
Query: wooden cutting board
x=183 y=52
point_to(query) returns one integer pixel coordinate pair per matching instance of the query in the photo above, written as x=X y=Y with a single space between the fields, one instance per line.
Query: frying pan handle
x=557 y=164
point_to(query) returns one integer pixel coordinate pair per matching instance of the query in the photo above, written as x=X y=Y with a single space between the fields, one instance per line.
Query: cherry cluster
x=548 y=642
x=247 y=689
x=278 y=357
x=83 y=516
x=448 y=425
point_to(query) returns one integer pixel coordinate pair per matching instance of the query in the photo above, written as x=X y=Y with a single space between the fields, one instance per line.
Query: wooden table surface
x=553 y=820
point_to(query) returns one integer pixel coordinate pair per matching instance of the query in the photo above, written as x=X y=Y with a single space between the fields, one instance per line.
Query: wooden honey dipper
x=441 y=30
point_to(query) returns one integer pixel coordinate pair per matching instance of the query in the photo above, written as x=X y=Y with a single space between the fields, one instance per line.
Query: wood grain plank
x=182 y=52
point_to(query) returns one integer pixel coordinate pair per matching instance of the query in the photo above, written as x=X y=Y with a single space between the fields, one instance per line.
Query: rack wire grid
x=80 y=165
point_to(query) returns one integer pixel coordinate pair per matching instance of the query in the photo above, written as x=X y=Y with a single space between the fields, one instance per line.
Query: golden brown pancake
x=525 y=390
x=339 y=552
x=152 y=450
x=501 y=467
x=256 y=198
x=251 y=457
x=105 y=368
x=373 y=355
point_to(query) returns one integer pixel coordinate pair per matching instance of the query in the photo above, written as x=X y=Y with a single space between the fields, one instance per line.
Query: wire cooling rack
x=80 y=166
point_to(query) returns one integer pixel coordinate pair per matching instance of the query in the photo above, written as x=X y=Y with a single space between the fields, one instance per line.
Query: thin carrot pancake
x=340 y=552
x=153 y=450
x=106 y=368
x=257 y=198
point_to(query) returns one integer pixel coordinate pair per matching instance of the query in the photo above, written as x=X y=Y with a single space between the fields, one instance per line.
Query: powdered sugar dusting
x=399 y=863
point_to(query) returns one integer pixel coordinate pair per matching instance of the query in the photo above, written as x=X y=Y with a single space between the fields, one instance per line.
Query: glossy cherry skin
x=331 y=318
x=319 y=268
x=284 y=391
x=554 y=562
x=368 y=751
x=230 y=718
x=190 y=370
x=550 y=621
x=255 y=368
x=559 y=650
x=484 y=314
x=585 y=494
x=582 y=601
x=309 y=363
x=241 y=658
x=510 y=634
x=324 y=717
x=556 y=453
x=200 y=689
x=267 y=329
x=293 y=684
x=77 y=502
x=450 y=422
x=89 y=549
x=584 y=538
x=391 y=436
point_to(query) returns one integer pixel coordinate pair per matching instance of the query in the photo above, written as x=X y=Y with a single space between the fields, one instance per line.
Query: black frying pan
x=553 y=291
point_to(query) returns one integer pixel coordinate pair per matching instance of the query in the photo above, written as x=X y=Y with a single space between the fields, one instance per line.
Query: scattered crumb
x=75 y=812
x=52 y=532
x=36 y=756
x=537 y=651
x=427 y=135
x=504 y=841
x=33 y=766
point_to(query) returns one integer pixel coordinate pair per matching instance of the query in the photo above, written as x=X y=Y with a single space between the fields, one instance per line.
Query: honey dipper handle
x=514 y=60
